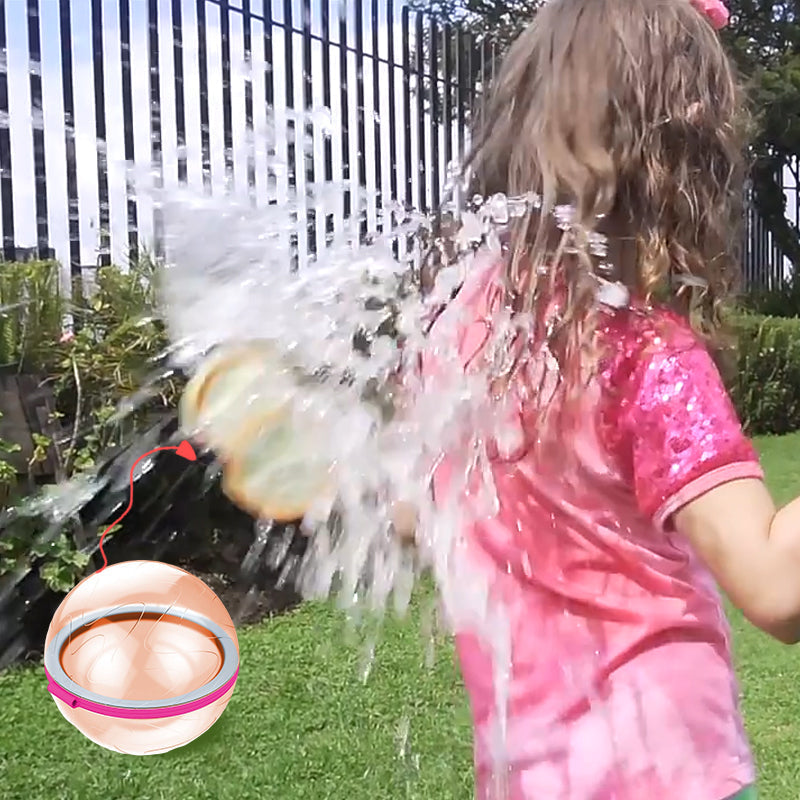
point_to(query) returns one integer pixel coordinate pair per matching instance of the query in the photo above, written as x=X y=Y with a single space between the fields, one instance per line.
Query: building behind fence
x=102 y=100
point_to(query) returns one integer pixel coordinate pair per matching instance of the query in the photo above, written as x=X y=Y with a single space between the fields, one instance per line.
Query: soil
x=249 y=605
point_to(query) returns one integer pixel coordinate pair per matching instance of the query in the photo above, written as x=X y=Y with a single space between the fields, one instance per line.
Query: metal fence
x=225 y=95
x=764 y=265
x=104 y=99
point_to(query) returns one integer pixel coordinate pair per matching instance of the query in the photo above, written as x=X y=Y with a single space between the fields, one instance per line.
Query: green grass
x=768 y=670
x=303 y=726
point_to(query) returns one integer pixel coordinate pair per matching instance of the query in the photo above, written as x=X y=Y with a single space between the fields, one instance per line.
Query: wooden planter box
x=27 y=405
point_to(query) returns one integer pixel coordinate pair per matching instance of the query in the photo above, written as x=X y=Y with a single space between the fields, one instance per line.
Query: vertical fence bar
x=269 y=88
x=180 y=98
x=227 y=104
x=391 y=56
x=247 y=22
x=269 y=66
x=435 y=112
x=419 y=44
x=479 y=88
x=6 y=182
x=751 y=249
x=344 y=75
x=776 y=250
x=308 y=127
x=327 y=99
x=796 y=193
x=409 y=163
x=361 y=115
x=291 y=124
x=392 y=92
x=447 y=98
x=754 y=250
x=104 y=218
x=482 y=59
x=376 y=109
x=68 y=94
x=37 y=125
x=464 y=68
x=127 y=127
x=202 y=68
x=156 y=143
x=269 y=81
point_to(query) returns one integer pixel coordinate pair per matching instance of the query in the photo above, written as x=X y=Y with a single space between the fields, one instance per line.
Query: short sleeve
x=685 y=433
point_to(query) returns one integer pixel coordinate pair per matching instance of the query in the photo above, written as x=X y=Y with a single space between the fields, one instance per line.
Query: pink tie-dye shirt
x=622 y=686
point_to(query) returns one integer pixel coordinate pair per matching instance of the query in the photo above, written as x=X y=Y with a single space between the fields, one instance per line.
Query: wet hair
x=631 y=112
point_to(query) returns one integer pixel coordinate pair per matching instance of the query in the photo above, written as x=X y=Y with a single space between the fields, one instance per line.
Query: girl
x=637 y=487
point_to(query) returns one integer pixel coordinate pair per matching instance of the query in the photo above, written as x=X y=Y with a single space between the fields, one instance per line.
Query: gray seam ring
x=230 y=655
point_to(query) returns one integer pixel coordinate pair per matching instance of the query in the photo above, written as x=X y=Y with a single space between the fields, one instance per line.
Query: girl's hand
x=404 y=521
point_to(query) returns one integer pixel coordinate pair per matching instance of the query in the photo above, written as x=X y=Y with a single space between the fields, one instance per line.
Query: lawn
x=302 y=724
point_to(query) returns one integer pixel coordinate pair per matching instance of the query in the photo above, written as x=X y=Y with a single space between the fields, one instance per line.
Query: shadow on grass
x=204 y=744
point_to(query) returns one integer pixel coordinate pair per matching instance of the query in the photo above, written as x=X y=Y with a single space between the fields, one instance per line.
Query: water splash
x=228 y=281
x=229 y=278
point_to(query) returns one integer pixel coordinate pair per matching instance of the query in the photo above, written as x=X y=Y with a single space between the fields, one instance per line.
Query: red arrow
x=184 y=450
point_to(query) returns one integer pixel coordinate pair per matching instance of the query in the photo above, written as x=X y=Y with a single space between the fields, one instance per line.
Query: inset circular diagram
x=141 y=657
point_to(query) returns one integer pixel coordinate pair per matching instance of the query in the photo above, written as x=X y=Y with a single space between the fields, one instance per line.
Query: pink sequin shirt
x=622 y=685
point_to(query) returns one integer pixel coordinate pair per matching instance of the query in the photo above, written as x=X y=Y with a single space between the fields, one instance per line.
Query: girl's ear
x=693 y=112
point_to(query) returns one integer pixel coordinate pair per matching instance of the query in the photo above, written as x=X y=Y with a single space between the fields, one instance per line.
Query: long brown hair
x=630 y=111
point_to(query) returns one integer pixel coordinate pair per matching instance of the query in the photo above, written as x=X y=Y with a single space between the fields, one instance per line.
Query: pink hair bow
x=716 y=11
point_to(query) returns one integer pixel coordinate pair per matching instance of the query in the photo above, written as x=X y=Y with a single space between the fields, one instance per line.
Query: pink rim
x=137 y=713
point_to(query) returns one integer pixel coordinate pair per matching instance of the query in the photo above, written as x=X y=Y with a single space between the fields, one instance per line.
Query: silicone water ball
x=242 y=404
x=141 y=657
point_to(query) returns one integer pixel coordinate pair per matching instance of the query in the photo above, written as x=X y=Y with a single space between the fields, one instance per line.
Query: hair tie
x=715 y=10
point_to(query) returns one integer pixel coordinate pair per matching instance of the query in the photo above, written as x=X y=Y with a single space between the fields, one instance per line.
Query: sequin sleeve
x=685 y=433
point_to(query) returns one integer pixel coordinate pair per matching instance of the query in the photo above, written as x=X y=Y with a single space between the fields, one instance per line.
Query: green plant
x=107 y=361
x=62 y=564
x=8 y=475
x=94 y=367
x=33 y=313
x=783 y=302
x=765 y=386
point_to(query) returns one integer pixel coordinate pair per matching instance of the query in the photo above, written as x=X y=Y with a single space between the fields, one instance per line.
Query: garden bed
x=180 y=516
x=248 y=606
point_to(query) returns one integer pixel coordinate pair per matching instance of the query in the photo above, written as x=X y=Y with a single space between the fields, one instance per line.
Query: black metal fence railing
x=764 y=265
x=189 y=92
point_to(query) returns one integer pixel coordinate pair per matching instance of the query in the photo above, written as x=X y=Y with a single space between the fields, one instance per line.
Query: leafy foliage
x=32 y=313
x=765 y=387
x=95 y=355
x=784 y=302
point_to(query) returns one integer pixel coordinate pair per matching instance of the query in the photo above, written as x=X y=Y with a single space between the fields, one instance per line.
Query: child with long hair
x=637 y=492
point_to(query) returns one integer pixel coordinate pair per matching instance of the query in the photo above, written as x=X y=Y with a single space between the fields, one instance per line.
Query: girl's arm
x=695 y=472
x=752 y=550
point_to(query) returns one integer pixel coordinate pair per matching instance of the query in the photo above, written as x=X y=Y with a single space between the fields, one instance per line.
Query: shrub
x=112 y=351
x=32 y=312
x=766 y=383
x=782 y=302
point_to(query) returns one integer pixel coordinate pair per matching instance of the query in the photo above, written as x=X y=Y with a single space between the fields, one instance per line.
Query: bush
x=33 y=312
x=782 y=302
x=108 y=353
x=766 y=384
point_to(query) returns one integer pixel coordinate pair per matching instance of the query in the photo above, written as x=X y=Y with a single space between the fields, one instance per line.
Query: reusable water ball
x=234 y=383
x=277 y=471
x=241 y=403
x=141 y=657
